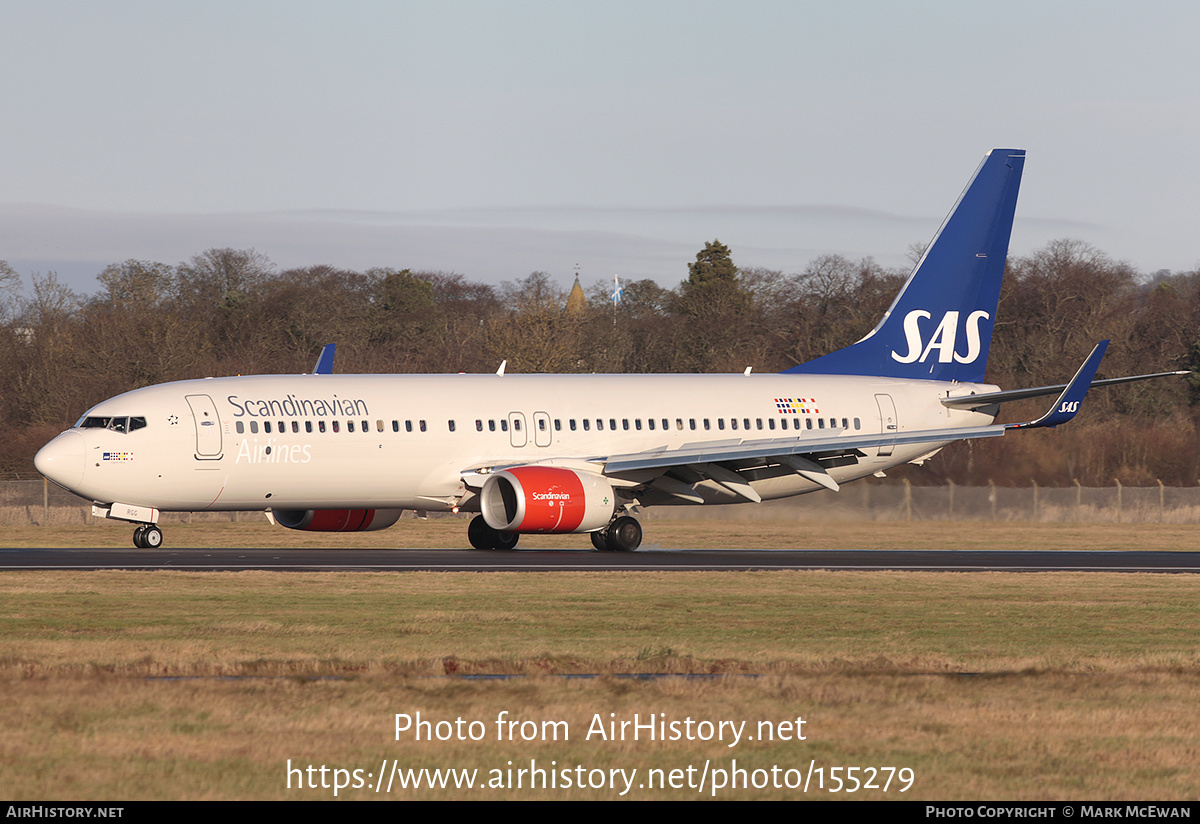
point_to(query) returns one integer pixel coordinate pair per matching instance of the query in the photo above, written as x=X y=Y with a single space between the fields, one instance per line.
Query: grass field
x=128 y=685
x=451 y=532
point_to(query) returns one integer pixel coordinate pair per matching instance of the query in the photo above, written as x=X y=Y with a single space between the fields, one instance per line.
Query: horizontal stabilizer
x=988 y=398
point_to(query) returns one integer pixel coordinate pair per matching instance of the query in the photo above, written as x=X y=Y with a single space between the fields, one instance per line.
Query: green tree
x=713 y=289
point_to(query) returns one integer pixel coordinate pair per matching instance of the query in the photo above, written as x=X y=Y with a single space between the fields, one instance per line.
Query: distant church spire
x=576 y=300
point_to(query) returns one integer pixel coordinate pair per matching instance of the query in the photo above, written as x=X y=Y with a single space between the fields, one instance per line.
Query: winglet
x=325 y=362
x=1068 y=402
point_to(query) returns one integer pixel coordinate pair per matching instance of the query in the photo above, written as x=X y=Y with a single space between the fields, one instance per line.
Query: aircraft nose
x=61 y=460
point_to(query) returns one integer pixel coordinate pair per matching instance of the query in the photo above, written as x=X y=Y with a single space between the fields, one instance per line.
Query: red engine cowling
x=337 y=520
x=546 y=499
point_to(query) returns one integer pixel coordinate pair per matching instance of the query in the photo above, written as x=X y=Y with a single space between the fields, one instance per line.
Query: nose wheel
x=147 y=536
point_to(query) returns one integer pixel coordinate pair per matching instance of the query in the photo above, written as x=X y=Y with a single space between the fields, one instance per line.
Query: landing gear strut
x=483 y=536
x=147 y=536
x=624 y=534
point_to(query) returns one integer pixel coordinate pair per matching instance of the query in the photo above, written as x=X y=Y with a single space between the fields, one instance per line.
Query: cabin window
x=612 y=424
x=308 y=427
x=758 y=421
x=421 y=424
x=491 y=426
x=395 y=425
x=599 y=424
x=450 y=424
x=295 y=426
x=503 y=425
x=820 y=423
x=254 y=427
x=845 y=424
x=572 y=424
x=321 y=427
x=721 y=424
x=349 y=426
x=378 y=424
x=733 y=423
x=557 y=425
x=240 y=427
x=706 y=424
x=366 y=426
x=267 y=427
x=770 y=423
x=541 y=422
x=282 y=427
x=478 y=425
x=746 y=423
x=650 y=423
x=336 y=427
x=692 y=423
x=637 y=424
x=678 y=423
x=857 y=424
x=587 y=423
x=808 y=422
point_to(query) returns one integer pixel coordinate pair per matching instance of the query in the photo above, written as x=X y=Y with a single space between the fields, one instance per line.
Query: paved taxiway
x=447 y=560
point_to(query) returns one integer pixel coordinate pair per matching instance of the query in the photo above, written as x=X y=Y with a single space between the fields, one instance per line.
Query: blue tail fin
x=940 y=325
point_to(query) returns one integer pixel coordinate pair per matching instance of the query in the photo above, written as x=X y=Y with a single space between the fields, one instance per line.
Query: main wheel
x=624 y=534
x=152 y=537
x=599 y=540
x=483 y=536
x=138 y=540
x=479 y=533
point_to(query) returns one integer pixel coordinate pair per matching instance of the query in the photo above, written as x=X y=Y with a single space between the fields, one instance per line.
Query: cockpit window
x=115 y=424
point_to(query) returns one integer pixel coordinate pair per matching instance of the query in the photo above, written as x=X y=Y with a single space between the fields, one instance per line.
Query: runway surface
x=459 y=560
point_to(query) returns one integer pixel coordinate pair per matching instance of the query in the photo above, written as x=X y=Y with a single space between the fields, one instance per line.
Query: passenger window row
x=705 y=424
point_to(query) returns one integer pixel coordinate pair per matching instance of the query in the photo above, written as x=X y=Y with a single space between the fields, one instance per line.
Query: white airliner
x=573 y=453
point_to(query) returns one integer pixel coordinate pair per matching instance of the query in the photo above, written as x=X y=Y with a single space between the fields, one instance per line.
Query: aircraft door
x=541 y=429
x=516 y=429
x=888 y=424
x=208 y=427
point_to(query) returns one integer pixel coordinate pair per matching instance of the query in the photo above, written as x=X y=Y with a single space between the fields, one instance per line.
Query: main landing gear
x=483 y=536
x=147 y=536
x=624 y=534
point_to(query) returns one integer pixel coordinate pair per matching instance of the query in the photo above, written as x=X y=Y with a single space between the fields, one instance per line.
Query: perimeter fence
x=39 y=503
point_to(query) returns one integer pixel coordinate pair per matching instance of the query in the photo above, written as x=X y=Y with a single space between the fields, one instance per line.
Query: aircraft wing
x=810 y=457
x=738 y=450
x=721 y=460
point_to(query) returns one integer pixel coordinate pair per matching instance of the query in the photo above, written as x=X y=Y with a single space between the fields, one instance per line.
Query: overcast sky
x=498 y=138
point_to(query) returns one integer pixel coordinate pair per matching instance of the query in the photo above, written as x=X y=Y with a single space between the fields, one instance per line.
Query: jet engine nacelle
x=337 y=520
x=546 y=499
